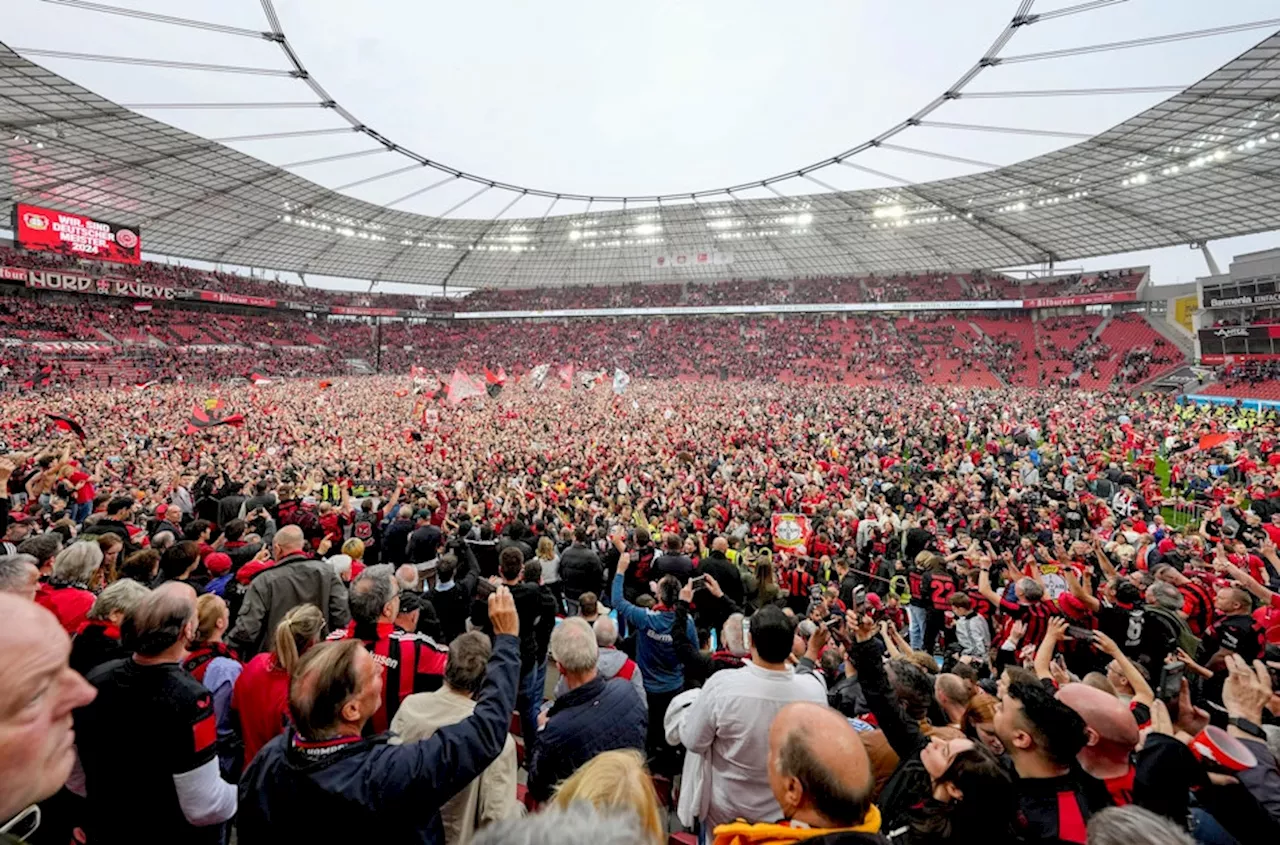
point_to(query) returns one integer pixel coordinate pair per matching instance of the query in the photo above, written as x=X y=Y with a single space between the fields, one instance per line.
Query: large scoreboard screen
x=48 y=230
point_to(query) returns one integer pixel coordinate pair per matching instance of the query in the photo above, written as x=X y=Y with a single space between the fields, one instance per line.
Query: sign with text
x=1082 y=299
x=236 y=299
x=80 y=283
x=40 y=229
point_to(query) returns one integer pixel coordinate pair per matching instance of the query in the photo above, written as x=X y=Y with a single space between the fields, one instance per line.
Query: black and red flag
x=65 y=423
x=209 y=414
x=493 y=382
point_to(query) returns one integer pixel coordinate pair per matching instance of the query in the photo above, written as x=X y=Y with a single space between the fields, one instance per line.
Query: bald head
x=38 y=692
x=824 y=783
x=953 y=689
x=288 y=540
x=1110 y=724
x=720 y=544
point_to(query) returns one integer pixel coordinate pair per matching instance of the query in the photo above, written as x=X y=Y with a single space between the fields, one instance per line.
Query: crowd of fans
x=109 y=342
x=904 y=287
x=748 y=613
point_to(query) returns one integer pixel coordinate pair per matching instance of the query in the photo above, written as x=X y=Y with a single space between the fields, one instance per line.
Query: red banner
x=791 y=532
x=1214 y=360
x=1083 y=299
x=236 y=299
x=13 y=274
x=363 y=311
x=80 y=283
x=49 y=230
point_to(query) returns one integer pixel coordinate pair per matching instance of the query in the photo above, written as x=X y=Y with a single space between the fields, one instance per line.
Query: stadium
x=955 y=450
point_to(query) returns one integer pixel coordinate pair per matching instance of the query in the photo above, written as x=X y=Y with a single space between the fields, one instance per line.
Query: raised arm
x=1142 y=692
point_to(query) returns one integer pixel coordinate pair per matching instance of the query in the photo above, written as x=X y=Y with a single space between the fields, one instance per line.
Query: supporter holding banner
x=790 y=532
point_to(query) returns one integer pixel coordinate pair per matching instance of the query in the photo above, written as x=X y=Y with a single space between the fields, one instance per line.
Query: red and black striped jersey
x=796 y=581
x=1197 y=604
x=410 y=663
x=1036 y=615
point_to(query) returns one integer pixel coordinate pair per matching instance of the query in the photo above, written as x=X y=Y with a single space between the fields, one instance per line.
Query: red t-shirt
x=261 y=698
x=85 y=493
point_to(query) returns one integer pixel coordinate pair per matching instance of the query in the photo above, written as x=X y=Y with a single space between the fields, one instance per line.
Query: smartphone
x=746 y=633
x=1171 y=680
x=697 y=581
x=1078 y=633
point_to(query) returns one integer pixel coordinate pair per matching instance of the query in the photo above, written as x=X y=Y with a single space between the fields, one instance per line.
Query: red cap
x=218 y=563
x=874 y=600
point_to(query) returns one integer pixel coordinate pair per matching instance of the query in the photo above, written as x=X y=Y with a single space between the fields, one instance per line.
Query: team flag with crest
x=790 y=532
x=538 y=375
x=566 y=375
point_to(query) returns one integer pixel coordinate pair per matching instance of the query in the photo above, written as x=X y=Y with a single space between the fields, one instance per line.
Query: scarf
x=782 y=833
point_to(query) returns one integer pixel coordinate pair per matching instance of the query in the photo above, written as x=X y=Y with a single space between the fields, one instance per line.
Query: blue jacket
x=341 y=790
x=655 y=653
x=598 y=716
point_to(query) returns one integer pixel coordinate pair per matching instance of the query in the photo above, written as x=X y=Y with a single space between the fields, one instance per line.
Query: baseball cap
x=410 y=600
x=218 y=563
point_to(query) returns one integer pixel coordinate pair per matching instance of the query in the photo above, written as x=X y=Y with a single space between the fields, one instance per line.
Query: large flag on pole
x=259 y=379
x=463 y=387
x=620 y=381
x=538 y=375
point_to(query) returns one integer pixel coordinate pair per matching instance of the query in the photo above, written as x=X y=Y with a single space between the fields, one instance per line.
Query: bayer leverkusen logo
x=127 y=238
x=790 y=531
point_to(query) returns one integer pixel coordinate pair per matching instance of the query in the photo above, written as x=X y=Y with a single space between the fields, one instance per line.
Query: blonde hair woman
x=616 y=782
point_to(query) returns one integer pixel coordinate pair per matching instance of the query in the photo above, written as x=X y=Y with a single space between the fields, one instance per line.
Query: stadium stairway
x=1184 y=342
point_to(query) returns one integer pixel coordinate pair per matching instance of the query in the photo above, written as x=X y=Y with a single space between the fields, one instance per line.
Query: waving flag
x=566 y=375
x=1213 y=441
x=209 y=414
x=620 y=381
x=463 y=387
x=65 y=423
x=538 y=375
x=144 y=385
x=259 y=379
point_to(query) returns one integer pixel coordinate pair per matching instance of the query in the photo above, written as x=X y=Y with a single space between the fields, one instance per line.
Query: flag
x=208 y=415
x=620 y=381
x=400 y=394
x=538 y=375
x=65 y=423
x=491 y=377
x=1213 y=441
x=325 y=385
x=418 y=374
x=566 y=375
x=494 y=390
x=146 y=384
x=259 y=379
x=462 y=387
x=790 y=532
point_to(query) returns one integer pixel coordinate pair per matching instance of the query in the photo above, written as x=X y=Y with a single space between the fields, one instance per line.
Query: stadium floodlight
x=890 y=211
x=804 y=219
x=647 y=229
x=575 y=235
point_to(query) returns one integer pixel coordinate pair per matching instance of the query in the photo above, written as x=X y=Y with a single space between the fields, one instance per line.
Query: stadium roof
x=1202 y=165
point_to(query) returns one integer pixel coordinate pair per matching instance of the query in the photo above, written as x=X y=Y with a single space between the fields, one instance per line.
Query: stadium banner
x=1214 y=337
x=364 y=311
x=1229 y=299
x=799 y=308
x=1216 y=360
x=70 y=346
x=13 y=274
x=39 y=229
x=235 y=299
x=80 y=283
x=1082 y=299
x=697 y=258
x=1184 y=308
x=790 y=532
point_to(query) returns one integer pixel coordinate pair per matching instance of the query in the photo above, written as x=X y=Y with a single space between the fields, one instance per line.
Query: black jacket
x=677 y=565
x=581 y=571
x=536 y=608
x=451 y=607
x=370 y=785
x=423 y=545
x=598 y=716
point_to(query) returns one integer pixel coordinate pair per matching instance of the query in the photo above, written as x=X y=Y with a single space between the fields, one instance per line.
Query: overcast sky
x=643 y=98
